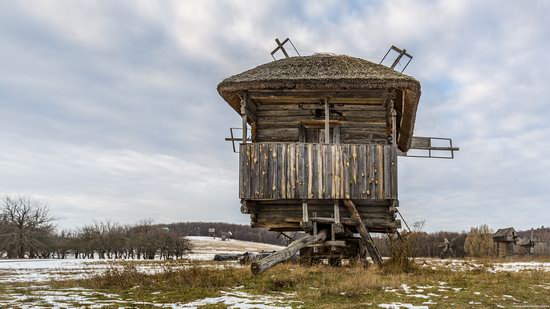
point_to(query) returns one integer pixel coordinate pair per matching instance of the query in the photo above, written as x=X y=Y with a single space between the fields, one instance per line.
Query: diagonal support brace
x=362 y=228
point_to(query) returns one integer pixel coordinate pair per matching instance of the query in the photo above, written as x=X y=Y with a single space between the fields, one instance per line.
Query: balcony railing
x=317 y=171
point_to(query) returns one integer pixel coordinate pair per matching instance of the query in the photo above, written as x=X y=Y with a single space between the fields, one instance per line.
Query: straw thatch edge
x=335 y=73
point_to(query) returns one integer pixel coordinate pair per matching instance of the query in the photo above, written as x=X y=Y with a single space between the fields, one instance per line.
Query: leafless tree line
x=27 y=231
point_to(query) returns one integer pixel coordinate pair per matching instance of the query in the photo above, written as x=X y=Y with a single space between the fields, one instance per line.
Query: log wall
x=270 y=171
x=505 y=248
x=360 y=123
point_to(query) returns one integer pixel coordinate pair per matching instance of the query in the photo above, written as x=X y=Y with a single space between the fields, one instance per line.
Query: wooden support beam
x=285 y=254
x=305 y=216
x=330 y=243
x=315 y=229
x=336 y=224
x=322 y=220
x=393 y=115
x=336 y=211
x=327 y=121
x=244 y=114
x=361 y=227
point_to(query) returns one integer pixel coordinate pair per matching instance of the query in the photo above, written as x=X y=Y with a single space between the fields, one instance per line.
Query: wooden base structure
x=314 y=246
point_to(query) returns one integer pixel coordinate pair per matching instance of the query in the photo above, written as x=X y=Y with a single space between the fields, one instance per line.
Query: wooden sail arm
x=431 y=147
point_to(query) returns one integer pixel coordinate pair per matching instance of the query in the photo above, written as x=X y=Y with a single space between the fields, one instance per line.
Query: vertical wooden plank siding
x=309 y=167
x=346 y=170
x=292 y=157
x=387 y=172
x=317 y=171
x=356 y=189
x=394 y=173
x=321 y=176
x=363 y=176
x=371 y=168
x=380 y=174
x=301 y=165
x=264 y=166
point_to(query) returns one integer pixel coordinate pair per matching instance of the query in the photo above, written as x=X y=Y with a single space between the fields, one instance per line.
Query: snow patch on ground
x=520 y=266
x=44 y=296
x=235 y=299
x=401 y=305
x=43 y=270
x=40 y=270
x=457 y=265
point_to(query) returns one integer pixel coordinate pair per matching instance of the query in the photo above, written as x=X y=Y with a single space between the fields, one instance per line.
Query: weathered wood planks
x=317 y=171
x=360 y=120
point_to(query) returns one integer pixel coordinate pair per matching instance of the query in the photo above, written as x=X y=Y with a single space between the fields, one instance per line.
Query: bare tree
x=479 y=242
x=26 y=227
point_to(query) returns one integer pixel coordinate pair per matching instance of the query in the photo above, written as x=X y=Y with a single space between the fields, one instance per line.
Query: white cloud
x=122 y=184
x=110 y=109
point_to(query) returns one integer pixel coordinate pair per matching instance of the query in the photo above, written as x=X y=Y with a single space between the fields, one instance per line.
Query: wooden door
x=316 y=134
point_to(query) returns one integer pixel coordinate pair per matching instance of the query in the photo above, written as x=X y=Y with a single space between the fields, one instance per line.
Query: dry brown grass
x=320 y=286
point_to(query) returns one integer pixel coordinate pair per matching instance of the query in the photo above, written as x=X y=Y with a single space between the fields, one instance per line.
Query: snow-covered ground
x=40 y=270
x=443 y=293
x=466 y=265
x=45 y=297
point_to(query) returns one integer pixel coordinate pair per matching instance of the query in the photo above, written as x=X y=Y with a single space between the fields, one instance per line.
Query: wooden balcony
x=270 y=171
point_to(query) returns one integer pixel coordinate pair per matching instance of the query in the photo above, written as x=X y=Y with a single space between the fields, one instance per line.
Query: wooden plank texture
x=317 y=171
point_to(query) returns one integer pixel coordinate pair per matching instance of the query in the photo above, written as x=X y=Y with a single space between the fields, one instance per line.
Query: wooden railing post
x=245 y=117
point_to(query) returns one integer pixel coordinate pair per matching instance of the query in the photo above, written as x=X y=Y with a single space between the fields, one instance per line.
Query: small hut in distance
x=505 y=240
x=529 y=245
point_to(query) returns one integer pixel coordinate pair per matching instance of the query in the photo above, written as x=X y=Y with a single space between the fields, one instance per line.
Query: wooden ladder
x=364 y=232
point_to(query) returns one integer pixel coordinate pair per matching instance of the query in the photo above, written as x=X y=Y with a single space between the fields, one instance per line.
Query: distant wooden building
x=529 y=245
x=505 y=240
x=325 y=135
x=525 y=246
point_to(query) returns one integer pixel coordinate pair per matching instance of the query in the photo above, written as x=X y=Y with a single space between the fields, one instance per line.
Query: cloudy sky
x=109 y=109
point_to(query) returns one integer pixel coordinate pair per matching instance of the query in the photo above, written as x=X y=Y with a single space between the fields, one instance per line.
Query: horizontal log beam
x=266 y=263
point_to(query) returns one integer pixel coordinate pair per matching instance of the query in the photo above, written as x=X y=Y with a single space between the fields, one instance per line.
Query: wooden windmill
x=321 y=156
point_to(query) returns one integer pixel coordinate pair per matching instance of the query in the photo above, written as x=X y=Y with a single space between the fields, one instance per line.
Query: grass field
x=190 y=284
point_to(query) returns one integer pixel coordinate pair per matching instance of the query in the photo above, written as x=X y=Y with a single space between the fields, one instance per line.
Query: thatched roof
x=324 y=72
x=507 y=234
